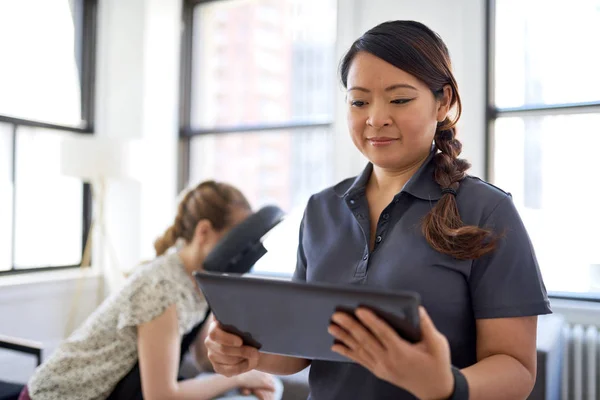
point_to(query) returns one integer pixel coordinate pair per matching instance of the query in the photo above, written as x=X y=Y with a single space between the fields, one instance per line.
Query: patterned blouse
x=90 y=363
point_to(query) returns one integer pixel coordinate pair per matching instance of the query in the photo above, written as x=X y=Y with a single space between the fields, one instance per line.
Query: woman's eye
x=401 y=101
x=357 y=103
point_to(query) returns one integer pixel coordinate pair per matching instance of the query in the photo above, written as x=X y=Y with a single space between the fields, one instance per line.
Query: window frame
x=86 y=46
x=492 y=113
x=186 y=131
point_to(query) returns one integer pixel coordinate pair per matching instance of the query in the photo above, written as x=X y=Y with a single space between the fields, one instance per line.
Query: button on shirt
x=334 y=248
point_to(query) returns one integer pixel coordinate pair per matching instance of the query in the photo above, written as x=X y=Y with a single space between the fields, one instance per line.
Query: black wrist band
x=461 y=388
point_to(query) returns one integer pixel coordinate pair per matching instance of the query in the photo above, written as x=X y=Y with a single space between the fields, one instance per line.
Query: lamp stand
x=97 y=224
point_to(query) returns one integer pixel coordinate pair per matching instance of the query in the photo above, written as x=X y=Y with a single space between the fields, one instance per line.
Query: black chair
x=11 y=390
x=242 y=246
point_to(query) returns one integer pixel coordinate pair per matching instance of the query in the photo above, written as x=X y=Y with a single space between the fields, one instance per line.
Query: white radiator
x=581 y=363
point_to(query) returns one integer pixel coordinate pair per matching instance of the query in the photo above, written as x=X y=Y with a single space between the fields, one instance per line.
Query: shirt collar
x=421 y=185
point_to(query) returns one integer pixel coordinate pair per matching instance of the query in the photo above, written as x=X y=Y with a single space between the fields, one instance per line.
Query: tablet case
x=242 y=246
x=291 y=318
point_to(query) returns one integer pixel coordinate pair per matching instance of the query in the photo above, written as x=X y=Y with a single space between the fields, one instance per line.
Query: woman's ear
x=444 y=103
x=203 y=231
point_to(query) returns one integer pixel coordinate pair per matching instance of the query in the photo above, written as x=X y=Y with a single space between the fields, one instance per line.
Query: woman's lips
x=381 y=141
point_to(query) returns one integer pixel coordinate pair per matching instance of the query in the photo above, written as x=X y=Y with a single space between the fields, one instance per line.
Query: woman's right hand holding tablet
x=227 y=352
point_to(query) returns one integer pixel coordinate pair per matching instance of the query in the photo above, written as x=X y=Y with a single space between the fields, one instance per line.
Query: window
x=282 y=167
x=41 y=72
x=258 y=108
x=543 y=120
x=46 y=78
x=48 y=206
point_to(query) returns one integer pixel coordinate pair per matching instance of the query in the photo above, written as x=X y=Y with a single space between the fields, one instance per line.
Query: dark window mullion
x=44 y=125
x=86 y=221
x=541 y=110
x=185 y=94
x=254 y=128
x=87 y=55
x=184 y=150
x=545 y=112
x=489 y=65
x=185 y=84
x=490 y=55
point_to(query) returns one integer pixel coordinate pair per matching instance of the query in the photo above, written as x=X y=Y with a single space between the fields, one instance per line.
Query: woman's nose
x=379 y=117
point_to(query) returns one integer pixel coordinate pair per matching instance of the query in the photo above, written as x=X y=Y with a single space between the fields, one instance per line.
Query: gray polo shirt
x=334 y=248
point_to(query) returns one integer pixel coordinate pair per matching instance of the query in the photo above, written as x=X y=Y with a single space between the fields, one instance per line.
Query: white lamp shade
x=90 y=158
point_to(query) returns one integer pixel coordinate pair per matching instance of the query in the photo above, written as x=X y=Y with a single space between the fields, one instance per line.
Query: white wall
x=138 y=86
x=42 y=311
x=461 y=24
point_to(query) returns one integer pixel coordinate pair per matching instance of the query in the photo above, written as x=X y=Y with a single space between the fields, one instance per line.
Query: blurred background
x=108 y=109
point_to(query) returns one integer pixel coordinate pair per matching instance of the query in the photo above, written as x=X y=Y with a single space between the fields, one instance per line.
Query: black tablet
x=291 y=318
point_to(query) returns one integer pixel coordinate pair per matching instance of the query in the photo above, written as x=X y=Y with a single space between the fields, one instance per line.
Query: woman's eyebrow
x=387 y=89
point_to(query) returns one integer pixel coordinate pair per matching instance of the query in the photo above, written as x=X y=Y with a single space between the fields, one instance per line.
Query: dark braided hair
x=417 y=50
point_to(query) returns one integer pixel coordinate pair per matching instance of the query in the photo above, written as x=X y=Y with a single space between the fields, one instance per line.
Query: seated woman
x=145 y=321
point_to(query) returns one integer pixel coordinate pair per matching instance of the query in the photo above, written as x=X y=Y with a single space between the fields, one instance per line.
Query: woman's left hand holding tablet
x=227 y=353
x=423 y=368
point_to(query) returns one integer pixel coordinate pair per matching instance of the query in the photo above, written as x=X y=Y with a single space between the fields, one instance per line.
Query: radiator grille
x=581 y=363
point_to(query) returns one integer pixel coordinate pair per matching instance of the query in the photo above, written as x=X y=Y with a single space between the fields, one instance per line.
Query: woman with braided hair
x=141 y=326
x=413 y=220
